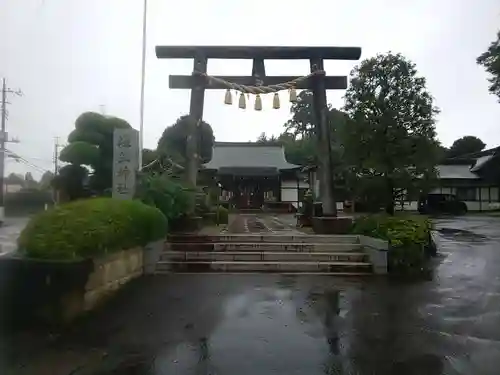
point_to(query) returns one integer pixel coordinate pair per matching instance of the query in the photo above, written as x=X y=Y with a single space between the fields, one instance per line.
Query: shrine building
x=254 y=175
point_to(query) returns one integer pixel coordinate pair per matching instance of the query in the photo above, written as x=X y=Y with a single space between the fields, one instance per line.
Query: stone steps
x=264 y=256
x=286 y=253
x=346 y=268
x=266 y=238
x=265 y=247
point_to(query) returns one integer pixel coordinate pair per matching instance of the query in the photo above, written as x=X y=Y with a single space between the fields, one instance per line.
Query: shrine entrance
x=250 y=192
x=257 y=85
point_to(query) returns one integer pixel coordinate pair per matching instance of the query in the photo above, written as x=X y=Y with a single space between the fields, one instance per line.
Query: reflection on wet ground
x=461 y=235
x=9 y=232
x=271 y=324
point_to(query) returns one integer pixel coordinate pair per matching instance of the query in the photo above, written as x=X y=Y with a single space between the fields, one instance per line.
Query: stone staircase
x=244 y=253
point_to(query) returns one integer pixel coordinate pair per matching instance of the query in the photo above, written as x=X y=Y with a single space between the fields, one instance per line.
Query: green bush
x=164 y=193
x=407 y=236
x=91 y=227
x=27 y=201
x=221 y=214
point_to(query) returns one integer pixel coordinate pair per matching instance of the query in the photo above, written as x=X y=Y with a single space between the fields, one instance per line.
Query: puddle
x=461 y=235
x=428 y=364
x=134 y=364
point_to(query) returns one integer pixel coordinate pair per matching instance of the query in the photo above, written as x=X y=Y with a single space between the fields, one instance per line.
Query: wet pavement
x=272 y=324
x=262 y=223
x=9 y=232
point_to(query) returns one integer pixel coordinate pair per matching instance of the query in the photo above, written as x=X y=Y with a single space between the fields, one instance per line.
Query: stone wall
x=56 y=292
x=110 y=273
x=377 y=251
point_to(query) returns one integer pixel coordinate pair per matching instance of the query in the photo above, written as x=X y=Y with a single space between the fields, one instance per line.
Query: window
x=466 y=193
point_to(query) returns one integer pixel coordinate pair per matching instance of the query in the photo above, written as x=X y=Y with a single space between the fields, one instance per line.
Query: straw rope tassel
x=291 y=86
x=228 y=98
x=276 y=101
x=293 y=95
x=242 y=102
x=258 y=103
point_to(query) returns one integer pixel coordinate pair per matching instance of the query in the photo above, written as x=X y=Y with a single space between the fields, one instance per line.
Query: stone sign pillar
x=125 y=162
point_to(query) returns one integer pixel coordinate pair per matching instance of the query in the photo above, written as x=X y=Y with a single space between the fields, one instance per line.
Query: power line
x=19 y=158
x=3 y=139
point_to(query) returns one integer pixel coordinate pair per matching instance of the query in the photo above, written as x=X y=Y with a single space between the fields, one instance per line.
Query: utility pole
x=102 y=108
x=4 y=139
x=57 y=146
x=56 y=156
x=143 y=79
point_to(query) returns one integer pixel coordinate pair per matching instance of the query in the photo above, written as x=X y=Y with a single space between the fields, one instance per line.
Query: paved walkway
x=271 y=324
x=261 y=223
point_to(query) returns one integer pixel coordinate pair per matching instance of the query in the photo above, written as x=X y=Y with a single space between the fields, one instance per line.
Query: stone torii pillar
x=318 y=83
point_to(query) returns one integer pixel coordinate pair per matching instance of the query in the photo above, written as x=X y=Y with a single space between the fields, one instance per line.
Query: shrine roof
x=248 y=155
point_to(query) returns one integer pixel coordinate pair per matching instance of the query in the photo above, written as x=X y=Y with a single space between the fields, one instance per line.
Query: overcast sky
x=70 y=56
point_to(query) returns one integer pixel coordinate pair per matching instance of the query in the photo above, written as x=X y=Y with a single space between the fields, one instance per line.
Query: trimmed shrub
x=408 y=237
x=91 y=227
x=166 y=194
x=221 y=214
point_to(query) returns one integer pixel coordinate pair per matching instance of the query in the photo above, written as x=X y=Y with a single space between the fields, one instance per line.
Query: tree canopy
x=490 y=60
x=71 y=181
x=15 y=179
x=90 y=146
x=46 y=180
x=173 y=141
x=391 y=134
x=300 y=151
x=468 y=144
x=302 y=122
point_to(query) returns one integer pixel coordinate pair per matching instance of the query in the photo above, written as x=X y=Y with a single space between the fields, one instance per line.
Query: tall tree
x=46 y=180
x=490 y=60
x=302 y=126
x=300 y=151
x=90 y=145
x=302 y=122
x=468 y=144
x=391 y=135
x=173 y=141
x=15 y=179
x=71 y=181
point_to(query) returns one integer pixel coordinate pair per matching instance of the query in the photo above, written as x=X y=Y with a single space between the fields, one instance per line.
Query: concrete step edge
x=267 y=234
x=168 y=252
x=265 y=243
x=267 y=237
x=284 y=262
x=285 y=273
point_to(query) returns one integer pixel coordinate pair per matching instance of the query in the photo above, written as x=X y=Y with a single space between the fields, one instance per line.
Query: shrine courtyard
x=273 y=324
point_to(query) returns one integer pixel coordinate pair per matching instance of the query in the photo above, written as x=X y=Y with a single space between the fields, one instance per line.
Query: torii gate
x=317 y=81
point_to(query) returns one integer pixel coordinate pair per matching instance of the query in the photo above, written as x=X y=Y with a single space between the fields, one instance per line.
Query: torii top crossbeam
x=251 y=52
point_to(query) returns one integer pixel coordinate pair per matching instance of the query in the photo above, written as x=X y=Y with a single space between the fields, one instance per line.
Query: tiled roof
x=459 y=172
x=481 y=161
x=248 y=155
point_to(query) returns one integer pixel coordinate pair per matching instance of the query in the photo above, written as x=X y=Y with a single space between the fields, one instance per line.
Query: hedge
x=408 y=236
x=27 y=201
x=165 y=193
x=221 y=214
x=91 y=227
